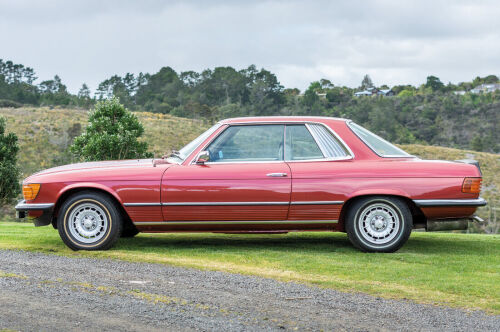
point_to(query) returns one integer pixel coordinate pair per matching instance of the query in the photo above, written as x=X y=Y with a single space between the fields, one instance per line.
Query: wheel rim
x=88 y=222
x=379 y=223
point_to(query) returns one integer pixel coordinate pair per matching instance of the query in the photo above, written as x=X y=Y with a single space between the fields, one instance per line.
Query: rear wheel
x=379 y=223
x=89 y=221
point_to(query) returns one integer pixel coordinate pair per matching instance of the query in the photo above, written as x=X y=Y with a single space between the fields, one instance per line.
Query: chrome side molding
x=317 y=203
x=141 y=204
x=222 y=203
x=234 y=203
x=232 y=222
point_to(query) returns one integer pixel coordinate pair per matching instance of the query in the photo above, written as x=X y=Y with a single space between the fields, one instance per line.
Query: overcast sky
x=395 y=42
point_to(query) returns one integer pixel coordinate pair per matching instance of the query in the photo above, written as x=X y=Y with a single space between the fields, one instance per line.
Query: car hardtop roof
x=267 y=119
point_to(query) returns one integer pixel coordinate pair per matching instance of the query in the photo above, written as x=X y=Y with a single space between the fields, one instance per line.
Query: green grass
x=459 y=270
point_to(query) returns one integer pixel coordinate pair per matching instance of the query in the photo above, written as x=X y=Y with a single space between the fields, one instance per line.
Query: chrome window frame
x=349 y=122
x=253 y=123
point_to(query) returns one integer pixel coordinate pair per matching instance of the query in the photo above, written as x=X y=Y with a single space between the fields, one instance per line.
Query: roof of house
x=361 y=93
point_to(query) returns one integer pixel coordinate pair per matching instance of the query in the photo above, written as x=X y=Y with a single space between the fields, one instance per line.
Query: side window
x=248 y=143
x=330 y=146
x=300 y=145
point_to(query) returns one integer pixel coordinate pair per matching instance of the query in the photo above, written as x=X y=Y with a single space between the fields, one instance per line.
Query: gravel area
x=40 y=292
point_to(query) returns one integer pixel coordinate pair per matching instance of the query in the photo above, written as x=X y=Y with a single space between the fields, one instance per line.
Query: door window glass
x=248 y=143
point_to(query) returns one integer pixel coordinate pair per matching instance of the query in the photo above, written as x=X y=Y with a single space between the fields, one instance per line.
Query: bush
x=112 y=133
x=9 y=173
x=9 y=103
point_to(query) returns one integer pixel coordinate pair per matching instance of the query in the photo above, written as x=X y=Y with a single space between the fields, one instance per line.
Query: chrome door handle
x=276 y=175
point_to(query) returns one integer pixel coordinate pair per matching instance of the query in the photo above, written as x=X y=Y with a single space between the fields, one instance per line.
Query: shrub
x=112 y=133
x=9 y=103
x=9 y=173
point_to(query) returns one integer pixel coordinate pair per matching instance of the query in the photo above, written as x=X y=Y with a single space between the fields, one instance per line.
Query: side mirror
x=203 y=157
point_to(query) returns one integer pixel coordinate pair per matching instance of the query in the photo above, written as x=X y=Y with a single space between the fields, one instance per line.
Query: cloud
x=394 y=41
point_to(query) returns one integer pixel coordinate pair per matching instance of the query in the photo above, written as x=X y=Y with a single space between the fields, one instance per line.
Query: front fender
x=88 y=185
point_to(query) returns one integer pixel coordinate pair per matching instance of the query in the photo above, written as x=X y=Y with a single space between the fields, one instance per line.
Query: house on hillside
x=374 y=92
x=362 y=93
x=486 y=88
x=386 y=93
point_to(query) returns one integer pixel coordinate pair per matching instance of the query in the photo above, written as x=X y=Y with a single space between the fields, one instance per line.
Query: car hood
x=98 y=164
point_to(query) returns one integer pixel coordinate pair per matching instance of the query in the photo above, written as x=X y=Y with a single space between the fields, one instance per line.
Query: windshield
x=379 y=145
x=179 y=157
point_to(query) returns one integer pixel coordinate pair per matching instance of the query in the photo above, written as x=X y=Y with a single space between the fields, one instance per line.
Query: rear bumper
x=450 y=202
x=23 y=208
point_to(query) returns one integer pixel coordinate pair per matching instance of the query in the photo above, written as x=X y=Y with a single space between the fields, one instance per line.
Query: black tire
x=129 y=231
x=89 y=220
x=379 y=223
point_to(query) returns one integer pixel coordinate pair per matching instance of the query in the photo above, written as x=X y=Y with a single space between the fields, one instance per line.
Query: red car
x=260 y=175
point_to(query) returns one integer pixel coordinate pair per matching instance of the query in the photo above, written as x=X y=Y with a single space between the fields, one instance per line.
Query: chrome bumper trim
x=450 y=202
x=23 y=206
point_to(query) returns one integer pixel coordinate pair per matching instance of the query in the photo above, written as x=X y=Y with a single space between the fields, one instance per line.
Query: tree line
x=429 y=114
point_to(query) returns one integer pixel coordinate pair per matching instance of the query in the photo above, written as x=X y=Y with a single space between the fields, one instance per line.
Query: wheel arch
x=417 y=214
x=76 y=188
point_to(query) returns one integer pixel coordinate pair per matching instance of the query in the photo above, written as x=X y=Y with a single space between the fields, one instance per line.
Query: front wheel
x=379 y=224
x=89 y=221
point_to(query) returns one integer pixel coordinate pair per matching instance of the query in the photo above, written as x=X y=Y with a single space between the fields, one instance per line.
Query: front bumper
x=23 y=208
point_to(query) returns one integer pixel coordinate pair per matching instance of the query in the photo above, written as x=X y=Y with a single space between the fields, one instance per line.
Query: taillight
x=30 y=191
x=472 y=185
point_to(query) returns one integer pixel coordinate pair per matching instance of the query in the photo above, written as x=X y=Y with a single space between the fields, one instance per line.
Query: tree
x=9 y=173
x=84 y=96
x=434 y=83
x=112 y=133
x=366 y=83
x=326 y=84
x=54 y=92
x=485 y=80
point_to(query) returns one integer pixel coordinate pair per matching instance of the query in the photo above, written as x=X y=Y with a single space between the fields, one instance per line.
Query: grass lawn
x=460 y=270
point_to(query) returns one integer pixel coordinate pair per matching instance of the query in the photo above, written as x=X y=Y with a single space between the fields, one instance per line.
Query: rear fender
x=383 y=192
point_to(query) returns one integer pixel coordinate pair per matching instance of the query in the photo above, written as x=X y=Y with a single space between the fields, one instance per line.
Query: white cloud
x=394 y=41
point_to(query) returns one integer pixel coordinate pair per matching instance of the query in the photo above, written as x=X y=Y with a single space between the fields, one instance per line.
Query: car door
x=245 y=178
x=316 y=159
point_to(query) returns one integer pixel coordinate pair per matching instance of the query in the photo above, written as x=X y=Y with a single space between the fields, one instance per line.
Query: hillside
x=44 y=135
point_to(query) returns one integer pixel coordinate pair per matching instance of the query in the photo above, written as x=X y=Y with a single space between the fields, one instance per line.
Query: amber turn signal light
x=471 y=185
x=30 y=191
